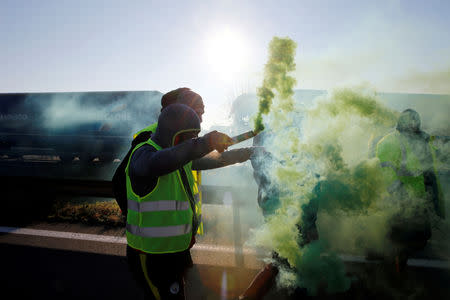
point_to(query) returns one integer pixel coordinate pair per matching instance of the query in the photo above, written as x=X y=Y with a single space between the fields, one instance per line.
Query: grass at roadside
x=97 y=213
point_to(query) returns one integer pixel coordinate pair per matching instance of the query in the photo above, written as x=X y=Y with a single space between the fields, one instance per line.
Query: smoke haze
x=329 y=181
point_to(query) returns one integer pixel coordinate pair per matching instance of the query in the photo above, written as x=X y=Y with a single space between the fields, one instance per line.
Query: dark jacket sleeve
x=146 y=162
x=217 y=160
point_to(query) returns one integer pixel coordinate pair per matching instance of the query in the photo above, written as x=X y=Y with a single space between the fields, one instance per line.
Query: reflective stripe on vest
x=166 y=231
x=161 y=205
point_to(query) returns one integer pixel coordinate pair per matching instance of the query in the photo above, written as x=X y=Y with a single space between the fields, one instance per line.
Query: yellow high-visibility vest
x=400 y=164
x=163 y=221
x=196 y=189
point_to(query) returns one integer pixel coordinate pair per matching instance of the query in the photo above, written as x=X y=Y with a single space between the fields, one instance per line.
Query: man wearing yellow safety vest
x=214 y=160
x=162 y=219
x=408 y=160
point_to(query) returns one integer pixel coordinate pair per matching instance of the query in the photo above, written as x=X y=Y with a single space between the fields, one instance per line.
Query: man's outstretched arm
x=215 y=160
x=146 y=162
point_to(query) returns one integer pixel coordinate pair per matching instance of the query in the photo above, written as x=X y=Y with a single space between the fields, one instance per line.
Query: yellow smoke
x=324 y=165
x=276 y=78
x=331 y=143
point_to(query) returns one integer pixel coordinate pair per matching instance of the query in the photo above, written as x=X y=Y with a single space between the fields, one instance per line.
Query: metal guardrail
x=104 y=188
x=40 y=192
x=40 y=188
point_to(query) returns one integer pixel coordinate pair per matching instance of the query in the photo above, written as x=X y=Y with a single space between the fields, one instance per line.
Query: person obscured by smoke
x=268 y=201
x=268 y=191
x=407 y=158
x=268 y=198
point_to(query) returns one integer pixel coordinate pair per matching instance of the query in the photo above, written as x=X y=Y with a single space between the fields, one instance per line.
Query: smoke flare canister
x=243 y=136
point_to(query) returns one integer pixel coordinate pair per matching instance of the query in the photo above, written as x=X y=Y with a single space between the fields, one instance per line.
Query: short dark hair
x=182 y=95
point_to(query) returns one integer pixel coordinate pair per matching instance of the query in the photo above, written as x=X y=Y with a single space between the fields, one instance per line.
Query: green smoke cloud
x=328 y=184
x=276 y=78
x=332 y=193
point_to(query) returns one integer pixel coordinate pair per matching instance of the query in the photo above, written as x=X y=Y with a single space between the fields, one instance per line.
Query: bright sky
x=219 y=48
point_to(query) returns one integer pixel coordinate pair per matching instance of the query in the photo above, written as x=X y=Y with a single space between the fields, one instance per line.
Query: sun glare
x=226 y=53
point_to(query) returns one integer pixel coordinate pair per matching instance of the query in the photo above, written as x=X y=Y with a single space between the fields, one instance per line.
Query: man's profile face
x=199 y=110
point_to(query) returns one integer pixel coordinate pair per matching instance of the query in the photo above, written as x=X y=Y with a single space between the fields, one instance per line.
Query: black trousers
x=161 y=276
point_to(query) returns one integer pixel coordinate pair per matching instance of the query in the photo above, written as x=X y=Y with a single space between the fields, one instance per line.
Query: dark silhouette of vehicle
x=87 y=125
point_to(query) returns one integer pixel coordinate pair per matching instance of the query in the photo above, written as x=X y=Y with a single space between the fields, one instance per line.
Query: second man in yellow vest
x=214 y=160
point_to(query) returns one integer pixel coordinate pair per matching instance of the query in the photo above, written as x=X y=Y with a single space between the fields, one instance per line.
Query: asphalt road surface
x=50 y=266
x=73 y=261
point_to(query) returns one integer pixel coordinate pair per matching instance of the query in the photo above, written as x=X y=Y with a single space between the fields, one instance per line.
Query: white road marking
x=65 y=235
x=439 y=264
x=105 y=238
